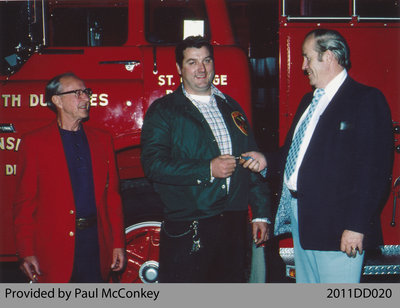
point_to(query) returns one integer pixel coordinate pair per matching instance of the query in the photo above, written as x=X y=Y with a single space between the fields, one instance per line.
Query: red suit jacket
x=44 y=208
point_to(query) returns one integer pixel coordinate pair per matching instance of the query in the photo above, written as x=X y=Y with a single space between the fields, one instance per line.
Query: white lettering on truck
x=9 y=143
x=11 y=170
x=11 y=100
x=37 y=100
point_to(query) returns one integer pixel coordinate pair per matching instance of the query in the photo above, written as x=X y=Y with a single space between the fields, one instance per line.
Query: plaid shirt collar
x=214 y=92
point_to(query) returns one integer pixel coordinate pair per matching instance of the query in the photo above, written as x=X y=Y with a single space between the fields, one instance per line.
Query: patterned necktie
x=298 y=138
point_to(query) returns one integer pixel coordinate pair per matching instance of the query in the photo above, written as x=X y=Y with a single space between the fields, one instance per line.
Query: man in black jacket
x=338 y=162
x=190 y=139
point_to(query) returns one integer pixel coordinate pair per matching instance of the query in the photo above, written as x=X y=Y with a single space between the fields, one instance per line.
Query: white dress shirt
x=330 y=91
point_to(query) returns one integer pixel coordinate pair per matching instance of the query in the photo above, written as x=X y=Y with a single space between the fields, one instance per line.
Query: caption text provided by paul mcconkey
x=81 y=293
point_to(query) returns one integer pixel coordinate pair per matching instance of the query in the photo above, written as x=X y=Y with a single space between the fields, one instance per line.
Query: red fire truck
x=124 y=50
x=373 y=34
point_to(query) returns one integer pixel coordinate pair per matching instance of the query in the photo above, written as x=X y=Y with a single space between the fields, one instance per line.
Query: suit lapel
x=95 y=155
x=338 y=99
x=100 y=162
x=56 y=162
x=329 y=118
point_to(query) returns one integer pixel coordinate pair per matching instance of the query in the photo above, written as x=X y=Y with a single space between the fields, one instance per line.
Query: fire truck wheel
x=142 y=248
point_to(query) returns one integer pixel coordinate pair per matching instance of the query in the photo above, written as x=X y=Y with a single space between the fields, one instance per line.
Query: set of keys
x=195 y=238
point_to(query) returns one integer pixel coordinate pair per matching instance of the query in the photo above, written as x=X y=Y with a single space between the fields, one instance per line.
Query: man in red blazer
x=67 y=212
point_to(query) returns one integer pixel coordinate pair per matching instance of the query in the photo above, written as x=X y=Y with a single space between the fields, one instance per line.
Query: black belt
x=293 y=193
x=84 y=223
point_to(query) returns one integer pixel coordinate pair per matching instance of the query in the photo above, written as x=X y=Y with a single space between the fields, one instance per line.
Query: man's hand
x=118 y=260
x=30 y=267
x=260 y=232
x=223 y=166
x=351 y=242
x=256 y=163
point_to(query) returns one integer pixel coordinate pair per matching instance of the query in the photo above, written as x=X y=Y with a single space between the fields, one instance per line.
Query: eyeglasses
x=78 y=93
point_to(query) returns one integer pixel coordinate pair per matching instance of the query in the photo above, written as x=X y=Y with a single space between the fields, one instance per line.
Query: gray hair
x=332 y=40
x=53 y=87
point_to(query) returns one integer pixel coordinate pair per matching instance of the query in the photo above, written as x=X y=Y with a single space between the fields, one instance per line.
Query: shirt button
x=198 y=181
x=71 y=234
x=71 y=212
x=223 y=186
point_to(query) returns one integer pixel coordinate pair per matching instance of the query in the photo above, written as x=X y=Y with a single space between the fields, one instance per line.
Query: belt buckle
x=82 y=223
